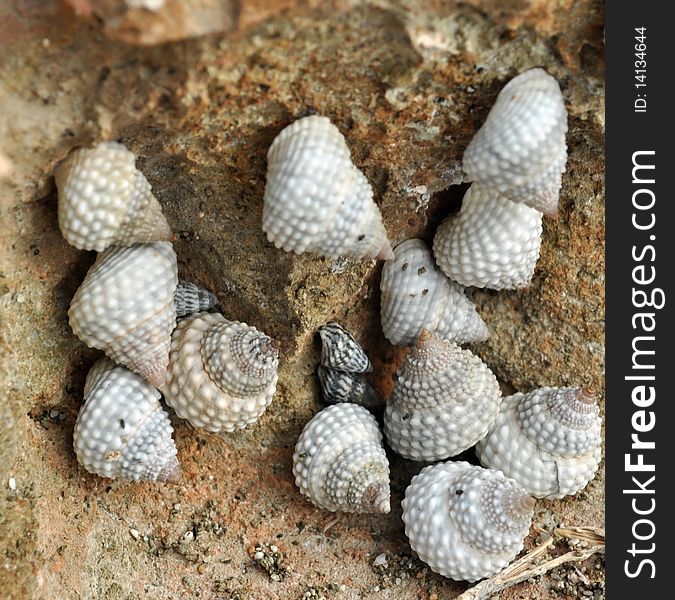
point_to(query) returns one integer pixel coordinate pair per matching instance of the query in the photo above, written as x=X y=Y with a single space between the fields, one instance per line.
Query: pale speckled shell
x=491 y=243
x=444 y=401
x=122 y=430
x=222 y=374
x=520 y=150
x=339 y=462
x=104 y=200
x=125 y=307
x=316 y=200
x=339 y=386
x=548 y=440
x=341 y=351
x=416 y=295
x=190 y=298
x=466 y=522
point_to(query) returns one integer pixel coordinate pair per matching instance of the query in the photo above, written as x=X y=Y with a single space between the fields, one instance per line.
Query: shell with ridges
x=341 y=351
x=339 y=462
x=122 y=430
x=340 y=386
x=125 y=307
x=444 y=401
x=548 y=440
x=464 y=521
x=416 y=295
x=492 y=242
x=520 y=150
x=104 y=200
x=316 y=200
x=190 y=298
x=222 y=374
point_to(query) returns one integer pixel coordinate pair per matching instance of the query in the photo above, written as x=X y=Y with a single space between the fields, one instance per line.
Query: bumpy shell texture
x=520 y=150
x=105 y=200
x=339 y=462
x=548 y=440
x=466 y=522
x=190 y=298
x=339 y=386
x=416 y=295
x=341 y=351
x=122 y=430
x=444 y=401
x=125 y=307
x=492 y=242
x=316 y=200
x=222 y=374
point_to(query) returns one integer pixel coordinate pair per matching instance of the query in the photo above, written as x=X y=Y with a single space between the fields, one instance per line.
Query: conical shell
x=190 y=298
x=341 y=351
x=122 y=430
x=547 y=440
x=125 y=307
x=520 y=150
x=492 y=242
x=339 y=462
x=416 y=295
x=466 y=522
x=316 y=200
x=444 y=401
x=338 y=386
x=105 y=200
x=222 y=374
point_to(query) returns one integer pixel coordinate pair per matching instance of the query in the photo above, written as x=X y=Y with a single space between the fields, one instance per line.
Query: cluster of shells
x=465 y=521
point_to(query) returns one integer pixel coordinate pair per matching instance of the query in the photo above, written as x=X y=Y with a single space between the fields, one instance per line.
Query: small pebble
x=380 y=560
x=587 y=593
x=274 y=549
x=188 y=536
x=201 y=568
x=12 y=483
x=134 y=534
x=275 y=577
x=258 y=555
x=433 y=596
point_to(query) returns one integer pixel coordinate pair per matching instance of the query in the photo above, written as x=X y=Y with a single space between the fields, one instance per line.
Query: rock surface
x=407 y=83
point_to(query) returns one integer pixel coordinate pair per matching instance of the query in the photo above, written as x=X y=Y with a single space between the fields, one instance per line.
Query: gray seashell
x=341 y=351
x=339 y=386
x=190 y=298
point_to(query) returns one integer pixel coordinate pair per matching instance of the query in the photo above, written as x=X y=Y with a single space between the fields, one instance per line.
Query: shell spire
x=444 y=401
x=338 y=386
x=416 y=295
x=222 y=374
x=316 y=200
x=548 y=440
x=341 y=351
x=190 y=298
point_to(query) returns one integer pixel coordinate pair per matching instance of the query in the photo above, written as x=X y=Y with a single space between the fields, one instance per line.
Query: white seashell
x=122 y=430
x=104 y=200
x=190 y=298
x=547 y=440
x=125 y=307
x=340 y=386
x=416 y=295
x=222 y=374
x=466 y=522
x=492 y=242
x=341 y=351
x=520 y=150
x=444 y=401
x=339 y=462
x=316 y=200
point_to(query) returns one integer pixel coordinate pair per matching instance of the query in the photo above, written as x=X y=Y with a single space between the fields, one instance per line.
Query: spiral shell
x=444 y=401
x=416 y=295
x=125 y=307
x=190 y=298
x=341 y=351
x=492 y=242
x=122 y=430
x=466 y=522
x=104 y=200
x=316 y=200
x=547 y=440
x=222 y=374
x=339 y=386
x=520 y=150
x=339 y=462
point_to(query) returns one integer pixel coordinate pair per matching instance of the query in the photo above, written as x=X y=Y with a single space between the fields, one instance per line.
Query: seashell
x=122 y=430
x=125 y=307
x=492 y=242
x=190 y=298
x=466 y=522
x=222 y=374
x=444 y=401
x=341 y=351
x=547 y=440
x=339 y=386
x=316 y=200
x=416 y=295
x=520 y=150
x=104 y=200
x=339 y=462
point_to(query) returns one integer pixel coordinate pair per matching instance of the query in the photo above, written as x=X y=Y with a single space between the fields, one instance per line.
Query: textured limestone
x=407 y=83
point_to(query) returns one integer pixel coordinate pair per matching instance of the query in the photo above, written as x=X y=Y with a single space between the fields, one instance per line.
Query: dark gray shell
x=190 y=298
x=341 y=351
x=338 y=386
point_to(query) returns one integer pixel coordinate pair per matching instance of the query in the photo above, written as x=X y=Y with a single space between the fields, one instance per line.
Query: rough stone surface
x=408 y=83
